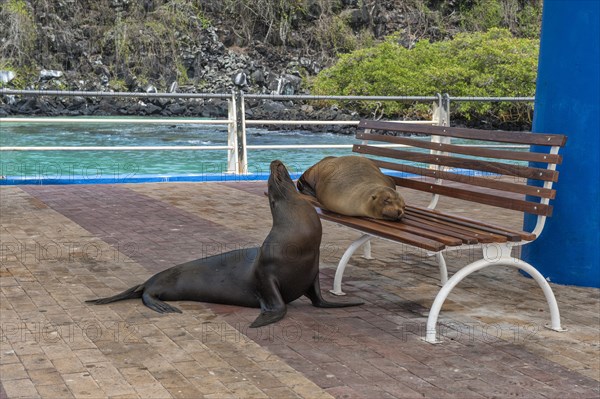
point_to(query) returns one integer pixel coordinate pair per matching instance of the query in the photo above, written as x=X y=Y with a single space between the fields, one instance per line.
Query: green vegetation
x=150 y=46
x=23 y=74
x=472 y=64
x=522 y=18
x=333 y=35
x=19 y=29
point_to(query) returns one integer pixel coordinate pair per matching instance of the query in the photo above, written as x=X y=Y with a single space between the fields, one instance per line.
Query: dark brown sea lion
x=283 y=269
x=353 y=186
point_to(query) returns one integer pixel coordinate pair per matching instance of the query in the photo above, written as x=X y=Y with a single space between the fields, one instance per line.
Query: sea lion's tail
x=133 y=292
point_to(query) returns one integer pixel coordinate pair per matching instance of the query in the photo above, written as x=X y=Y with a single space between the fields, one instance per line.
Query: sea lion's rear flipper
x=133 y=292
x=272 y=306
x=314 y=294
x=304 y=187
x=307 y=181
x=157 y=305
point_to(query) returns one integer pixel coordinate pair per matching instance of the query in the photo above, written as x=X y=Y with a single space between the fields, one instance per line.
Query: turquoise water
x=120 y=164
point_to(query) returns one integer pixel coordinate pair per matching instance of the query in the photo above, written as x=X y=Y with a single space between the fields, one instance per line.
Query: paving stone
x=12 y=371
x=34 y=362
x=49 y=376
x=125 y=396
x=22 y=388
x=209 y=385
x=170 y=378
x=68 y=365
x=8 y=356
x=262 y=379
x=90 y=356
x=83 y=385
x=58 y=391
x=280 y=393
x=344 y=392
x=184 y=392
x=246 y=390
x=188 y=369
x=109 y=379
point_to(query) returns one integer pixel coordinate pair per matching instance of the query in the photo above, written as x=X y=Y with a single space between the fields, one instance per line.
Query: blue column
x=568 y=102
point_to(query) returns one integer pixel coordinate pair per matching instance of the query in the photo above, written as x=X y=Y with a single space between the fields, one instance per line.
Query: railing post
x=441 y=110
x=232 y=153
x=240 y=130
x=446 y=108
x=441 y=116
x=436 y=110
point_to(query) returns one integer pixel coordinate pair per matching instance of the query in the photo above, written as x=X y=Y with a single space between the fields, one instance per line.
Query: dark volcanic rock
x=176 y=109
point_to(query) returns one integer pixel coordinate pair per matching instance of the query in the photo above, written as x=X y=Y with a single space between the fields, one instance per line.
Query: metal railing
x=237 y=147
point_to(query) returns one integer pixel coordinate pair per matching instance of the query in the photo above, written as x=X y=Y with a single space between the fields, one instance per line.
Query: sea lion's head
x=291 y=210
x=386 y=203
x=280 y=185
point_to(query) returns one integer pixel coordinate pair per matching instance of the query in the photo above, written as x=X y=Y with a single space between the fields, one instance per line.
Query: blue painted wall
x=568 y=102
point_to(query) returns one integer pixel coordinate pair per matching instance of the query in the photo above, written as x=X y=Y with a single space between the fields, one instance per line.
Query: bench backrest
x=468 y=166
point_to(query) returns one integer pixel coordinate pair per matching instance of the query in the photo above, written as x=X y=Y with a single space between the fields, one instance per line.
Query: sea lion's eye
x=373 y=197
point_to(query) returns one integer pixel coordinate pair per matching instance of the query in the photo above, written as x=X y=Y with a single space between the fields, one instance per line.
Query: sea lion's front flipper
x=157 y=305
x=268 y=317
x=314 y=294
x=272 y=306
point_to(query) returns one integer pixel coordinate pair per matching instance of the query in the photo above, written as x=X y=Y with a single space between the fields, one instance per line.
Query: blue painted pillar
x=568 y=102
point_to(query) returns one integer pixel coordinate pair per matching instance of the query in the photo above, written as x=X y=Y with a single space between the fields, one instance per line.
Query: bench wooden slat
x=477 y=233
x=492 y=228
x=473 y=164
x=460 y=149
x=464 y=133
x=414 y=228
x=473 y=180
x=383 y=231
x=464 y=237
x=476 y=196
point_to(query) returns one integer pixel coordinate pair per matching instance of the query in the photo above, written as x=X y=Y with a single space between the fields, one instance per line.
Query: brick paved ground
x=64 y=244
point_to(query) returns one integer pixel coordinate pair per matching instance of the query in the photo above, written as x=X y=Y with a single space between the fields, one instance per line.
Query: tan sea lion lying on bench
x=354 y=186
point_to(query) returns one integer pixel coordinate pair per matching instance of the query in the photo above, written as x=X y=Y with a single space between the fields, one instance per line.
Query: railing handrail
x=491 y=99
x=316 y=97
x=79 y=93
x=148 y=120
x=120 y=148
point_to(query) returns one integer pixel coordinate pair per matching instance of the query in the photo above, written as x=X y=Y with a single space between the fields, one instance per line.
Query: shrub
x=472 y=64
x=521 y=17
x=19 y=31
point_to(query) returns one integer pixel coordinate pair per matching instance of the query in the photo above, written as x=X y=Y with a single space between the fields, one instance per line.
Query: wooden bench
x=467 y=173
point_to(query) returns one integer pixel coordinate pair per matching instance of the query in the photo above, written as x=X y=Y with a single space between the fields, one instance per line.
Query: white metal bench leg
x=339 y=273
x=503 y=258
x=443 y=269
x=367 y=250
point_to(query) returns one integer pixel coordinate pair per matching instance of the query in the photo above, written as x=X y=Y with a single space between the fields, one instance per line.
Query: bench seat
x=430 y=229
